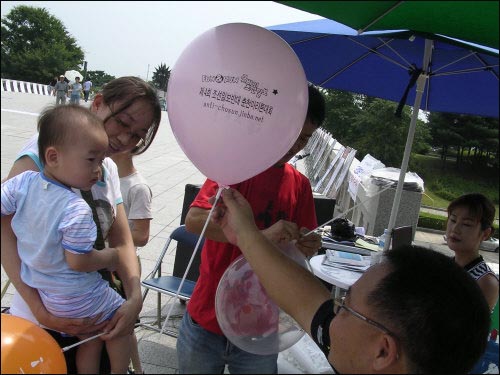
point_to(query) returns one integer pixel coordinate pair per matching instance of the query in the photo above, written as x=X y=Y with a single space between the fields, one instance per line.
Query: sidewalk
x=167 y=170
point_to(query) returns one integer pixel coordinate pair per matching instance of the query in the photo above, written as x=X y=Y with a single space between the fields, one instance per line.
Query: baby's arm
x=94 y=260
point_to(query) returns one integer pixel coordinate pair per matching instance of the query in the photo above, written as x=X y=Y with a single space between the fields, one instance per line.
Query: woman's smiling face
x=126 y=128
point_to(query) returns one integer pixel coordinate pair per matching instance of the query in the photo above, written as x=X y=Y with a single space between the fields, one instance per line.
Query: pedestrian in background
x=76 y=92
x=52 y=85
x=61 y=91
x=86 y=89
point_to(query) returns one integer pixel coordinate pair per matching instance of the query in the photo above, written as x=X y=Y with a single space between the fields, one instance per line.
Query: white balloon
x=246 y=314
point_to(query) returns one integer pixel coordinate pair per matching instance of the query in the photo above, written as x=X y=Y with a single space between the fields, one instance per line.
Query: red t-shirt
x=277 y=193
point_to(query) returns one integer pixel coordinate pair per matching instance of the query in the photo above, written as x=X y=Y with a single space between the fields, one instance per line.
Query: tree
x=99 y=78
x=36 y=46
x=475 y=138
x=368 y=125
x=161 y=76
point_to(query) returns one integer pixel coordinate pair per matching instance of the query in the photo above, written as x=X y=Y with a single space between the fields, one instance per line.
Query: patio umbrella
x=472 y=21
x=450 y=75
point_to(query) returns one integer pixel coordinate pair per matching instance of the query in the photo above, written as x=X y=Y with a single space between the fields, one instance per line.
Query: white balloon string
x=66 y=348
x=387 y=186
x=217 y=196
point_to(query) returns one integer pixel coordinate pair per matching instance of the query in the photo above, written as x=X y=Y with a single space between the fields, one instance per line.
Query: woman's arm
x=119 y=237
x=489 y=286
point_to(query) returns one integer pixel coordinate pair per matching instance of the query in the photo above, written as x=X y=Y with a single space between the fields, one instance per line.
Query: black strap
x=414 y=74
x=99 y=241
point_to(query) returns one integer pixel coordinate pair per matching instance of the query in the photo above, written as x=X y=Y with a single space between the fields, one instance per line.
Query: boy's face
x=79 y=164
x=301 y=142
x=463 y=231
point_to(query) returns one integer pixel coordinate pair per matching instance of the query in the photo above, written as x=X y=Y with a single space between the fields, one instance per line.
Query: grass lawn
x=443 y=182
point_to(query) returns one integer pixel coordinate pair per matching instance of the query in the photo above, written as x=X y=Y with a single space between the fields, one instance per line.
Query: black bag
x=343 y=230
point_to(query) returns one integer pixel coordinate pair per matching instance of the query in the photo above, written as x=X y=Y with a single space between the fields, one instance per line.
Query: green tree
x=36 y=46
x=474 y=138
x=161 y=76
x=342 y=107
x=368 y=125
x=99 y=78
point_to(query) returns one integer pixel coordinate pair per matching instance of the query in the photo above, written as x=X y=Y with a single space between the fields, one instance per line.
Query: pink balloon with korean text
x=237 y=100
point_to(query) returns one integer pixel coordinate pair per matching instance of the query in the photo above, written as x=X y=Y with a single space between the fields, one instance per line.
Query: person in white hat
x=61 y=90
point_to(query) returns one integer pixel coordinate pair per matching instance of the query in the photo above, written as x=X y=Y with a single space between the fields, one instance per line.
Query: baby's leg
x=119 y=353
x=134 y=354
x=88 y=356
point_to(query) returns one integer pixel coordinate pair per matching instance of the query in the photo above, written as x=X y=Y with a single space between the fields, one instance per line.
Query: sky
x=133 y=38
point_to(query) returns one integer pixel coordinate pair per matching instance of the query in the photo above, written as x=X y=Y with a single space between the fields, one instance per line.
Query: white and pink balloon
x=237 y=100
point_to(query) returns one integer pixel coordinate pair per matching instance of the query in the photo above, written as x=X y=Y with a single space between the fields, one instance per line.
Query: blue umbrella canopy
x=432 y=71
x=461 y=77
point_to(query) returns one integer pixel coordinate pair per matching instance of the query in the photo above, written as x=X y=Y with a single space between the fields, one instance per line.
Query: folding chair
x=169 y=285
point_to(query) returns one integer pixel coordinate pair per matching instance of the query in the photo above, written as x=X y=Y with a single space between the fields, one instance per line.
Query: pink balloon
x=246 y=314
x=237 y=101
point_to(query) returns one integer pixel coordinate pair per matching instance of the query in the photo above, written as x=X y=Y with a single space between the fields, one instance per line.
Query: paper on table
x=329 y=261
x=366 y=245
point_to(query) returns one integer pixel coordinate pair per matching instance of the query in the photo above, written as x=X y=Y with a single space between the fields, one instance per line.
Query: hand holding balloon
x=235 y=216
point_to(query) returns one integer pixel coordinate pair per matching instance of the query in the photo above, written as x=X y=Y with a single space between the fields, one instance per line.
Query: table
x=338 y=277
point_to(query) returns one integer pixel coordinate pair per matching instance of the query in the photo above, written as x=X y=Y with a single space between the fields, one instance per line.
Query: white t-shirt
x=137 y=196
x=87 y=85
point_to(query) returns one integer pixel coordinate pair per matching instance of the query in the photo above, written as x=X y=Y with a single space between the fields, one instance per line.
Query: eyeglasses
x=126 y=128
x=340 y=304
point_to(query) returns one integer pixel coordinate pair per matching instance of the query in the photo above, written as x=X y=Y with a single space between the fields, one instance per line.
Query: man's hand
x=310 y=244
x=234 y=215
x=282 y=232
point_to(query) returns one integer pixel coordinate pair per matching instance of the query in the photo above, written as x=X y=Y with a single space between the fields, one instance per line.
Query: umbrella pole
x=409 y=139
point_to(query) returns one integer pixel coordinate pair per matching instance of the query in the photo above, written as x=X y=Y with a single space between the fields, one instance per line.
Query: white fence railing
x=11 y=85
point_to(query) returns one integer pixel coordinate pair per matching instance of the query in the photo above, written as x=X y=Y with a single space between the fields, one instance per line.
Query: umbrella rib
x=309 y=39
x=471 y=70
x=454 y=62
x=487 y=66
x=380 y=17
x=370 y=51
x=382 y=56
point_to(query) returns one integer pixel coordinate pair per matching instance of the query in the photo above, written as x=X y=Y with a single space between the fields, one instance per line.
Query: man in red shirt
x=283 y=206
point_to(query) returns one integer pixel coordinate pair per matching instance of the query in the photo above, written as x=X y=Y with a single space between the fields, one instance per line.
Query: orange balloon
x=29 y=349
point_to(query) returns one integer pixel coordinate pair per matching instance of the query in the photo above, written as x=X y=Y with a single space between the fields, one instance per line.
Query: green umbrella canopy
x=472 y=21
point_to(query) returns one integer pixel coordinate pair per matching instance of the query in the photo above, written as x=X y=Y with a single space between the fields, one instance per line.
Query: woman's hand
x=75 y=327
x=123 y=321
x=310 y=244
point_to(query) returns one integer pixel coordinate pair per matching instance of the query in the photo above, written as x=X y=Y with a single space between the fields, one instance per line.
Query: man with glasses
x=415 y=312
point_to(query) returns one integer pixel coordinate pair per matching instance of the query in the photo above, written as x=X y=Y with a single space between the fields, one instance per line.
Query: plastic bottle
x=381 y=240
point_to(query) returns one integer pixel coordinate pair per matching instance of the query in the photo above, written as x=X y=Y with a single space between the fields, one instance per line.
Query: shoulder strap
x=99 y=241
